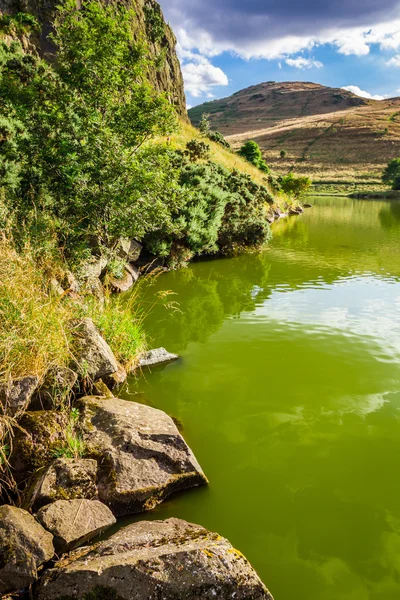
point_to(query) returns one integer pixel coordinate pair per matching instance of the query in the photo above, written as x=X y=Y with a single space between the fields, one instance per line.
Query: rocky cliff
x=150 y=25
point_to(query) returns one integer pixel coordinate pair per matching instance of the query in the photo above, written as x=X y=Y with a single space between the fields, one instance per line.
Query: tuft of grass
x=34 y=332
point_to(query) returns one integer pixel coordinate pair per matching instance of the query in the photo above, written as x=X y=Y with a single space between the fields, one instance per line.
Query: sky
x=228 y=45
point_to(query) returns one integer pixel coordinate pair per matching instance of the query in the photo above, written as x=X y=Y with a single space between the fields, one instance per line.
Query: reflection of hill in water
x=338 y=238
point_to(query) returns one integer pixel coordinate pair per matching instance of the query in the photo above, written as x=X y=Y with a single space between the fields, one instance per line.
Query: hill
x=341 y=140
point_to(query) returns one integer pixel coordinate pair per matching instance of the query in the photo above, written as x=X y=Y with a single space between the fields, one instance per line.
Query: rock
x=116 y=379
x=39 y=434
x=94 y=267
x=55 y=287
x=55 y=390
x=71 y=283
x=142 y=458
x=64 y=479
x=164 y=560
x=75 y=522
x=24 y=547
x=15 y=396
x=130 y=250
x=307 y=205
x=94 y=358
x=157 y=356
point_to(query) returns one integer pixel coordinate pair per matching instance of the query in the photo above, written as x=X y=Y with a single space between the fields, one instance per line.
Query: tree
x=391 y=175
x=204 y=125
x=294 y=185
x=251 y=151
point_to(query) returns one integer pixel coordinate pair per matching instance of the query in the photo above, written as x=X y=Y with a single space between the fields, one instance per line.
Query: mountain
x=150 y=26
x=336 y=137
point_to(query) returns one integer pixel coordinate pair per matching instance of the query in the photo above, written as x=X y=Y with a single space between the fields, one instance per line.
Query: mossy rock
x=39 y=434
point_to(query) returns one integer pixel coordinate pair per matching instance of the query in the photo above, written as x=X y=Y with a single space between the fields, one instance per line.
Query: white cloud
x=188 y=106
x=303 y=63
x=359 y=92
x=394 y=62
x=200 y=77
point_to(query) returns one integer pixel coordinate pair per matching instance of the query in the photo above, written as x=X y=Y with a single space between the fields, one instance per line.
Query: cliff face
x=150 y=25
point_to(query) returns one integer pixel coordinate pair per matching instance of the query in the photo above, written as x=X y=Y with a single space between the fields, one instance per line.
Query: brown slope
x=328 y=133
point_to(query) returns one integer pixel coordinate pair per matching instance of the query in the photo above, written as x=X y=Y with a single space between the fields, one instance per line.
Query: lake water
x=288 y=389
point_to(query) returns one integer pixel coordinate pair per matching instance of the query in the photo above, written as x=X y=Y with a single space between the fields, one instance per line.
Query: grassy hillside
x=342 y=141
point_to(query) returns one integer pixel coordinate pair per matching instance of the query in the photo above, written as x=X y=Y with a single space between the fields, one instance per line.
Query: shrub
x=251 y=151
x=391 y=174
x=283 y=153
x=216 y=136
x=294 y=185
x=196 y=150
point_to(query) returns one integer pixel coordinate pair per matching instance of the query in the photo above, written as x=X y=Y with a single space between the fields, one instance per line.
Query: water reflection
x=289 y=392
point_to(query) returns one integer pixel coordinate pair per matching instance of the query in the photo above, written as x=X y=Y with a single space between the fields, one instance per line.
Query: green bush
x=223 y=212
x=391 y=174
x=295 y=185
x=196 y=150
x=216 y=136
x=251 y=151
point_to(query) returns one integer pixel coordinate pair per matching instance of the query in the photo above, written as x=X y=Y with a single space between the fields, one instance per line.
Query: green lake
x=288 y=390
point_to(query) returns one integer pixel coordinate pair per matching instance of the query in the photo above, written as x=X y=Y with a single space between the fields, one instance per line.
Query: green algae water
x=288 y=390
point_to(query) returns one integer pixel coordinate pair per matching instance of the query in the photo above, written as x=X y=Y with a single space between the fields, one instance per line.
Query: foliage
x=20 y=23
x=196 y=150
x=71 y=154
x=224 y=211
x=216 y=136
x=155 y=27
x=251 y=151
x=73 y=445
x=283 y=153
x=391 y=174
x=294 y=185
x=204 y=125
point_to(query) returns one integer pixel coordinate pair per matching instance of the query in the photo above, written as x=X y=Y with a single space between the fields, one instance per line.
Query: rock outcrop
x=16 y=395
x=93 y=357
x=24 y=547
x=75 y=522
x=158 y=356
x=64 y=479
x=156 y=560
x=165 y=76
x=142 y=458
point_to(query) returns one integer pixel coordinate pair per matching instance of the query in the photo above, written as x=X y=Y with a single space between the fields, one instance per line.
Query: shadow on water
x=288 y=388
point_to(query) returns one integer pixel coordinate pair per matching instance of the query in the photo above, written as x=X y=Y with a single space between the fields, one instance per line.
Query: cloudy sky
x=227 y=45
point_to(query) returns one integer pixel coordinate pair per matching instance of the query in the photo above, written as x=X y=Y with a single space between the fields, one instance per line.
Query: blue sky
x=228 y=45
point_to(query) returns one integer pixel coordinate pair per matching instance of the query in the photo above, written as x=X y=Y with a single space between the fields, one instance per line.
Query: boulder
x=24 y=547
x=123 y=284
x=55 y=390
x=150 y=560
x=158 y=356
x=142 y=458
x=39 y=434
x=16 y=395
x=75 y=522
x=94 y=358
x=130 y=250
x=307 y=205
x=64 y=479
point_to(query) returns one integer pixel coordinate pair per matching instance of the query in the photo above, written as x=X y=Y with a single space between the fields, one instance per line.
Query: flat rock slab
x=158 y=356
x=64 y=479
x=75 y=522
x=154 y=560
x=24 y=547
x=142 y=458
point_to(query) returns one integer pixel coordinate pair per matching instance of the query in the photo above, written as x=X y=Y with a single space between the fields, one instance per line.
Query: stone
x=157 y=356
x=116 y=379
x=24 y=547
x=55 y=390
x=16 y=395
x=142 y=458
x=75 y=522
x=63 y=479
x=94 y=358
x=307 y=205
x=149 y=560
x=39 y=434
x=130 y=250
